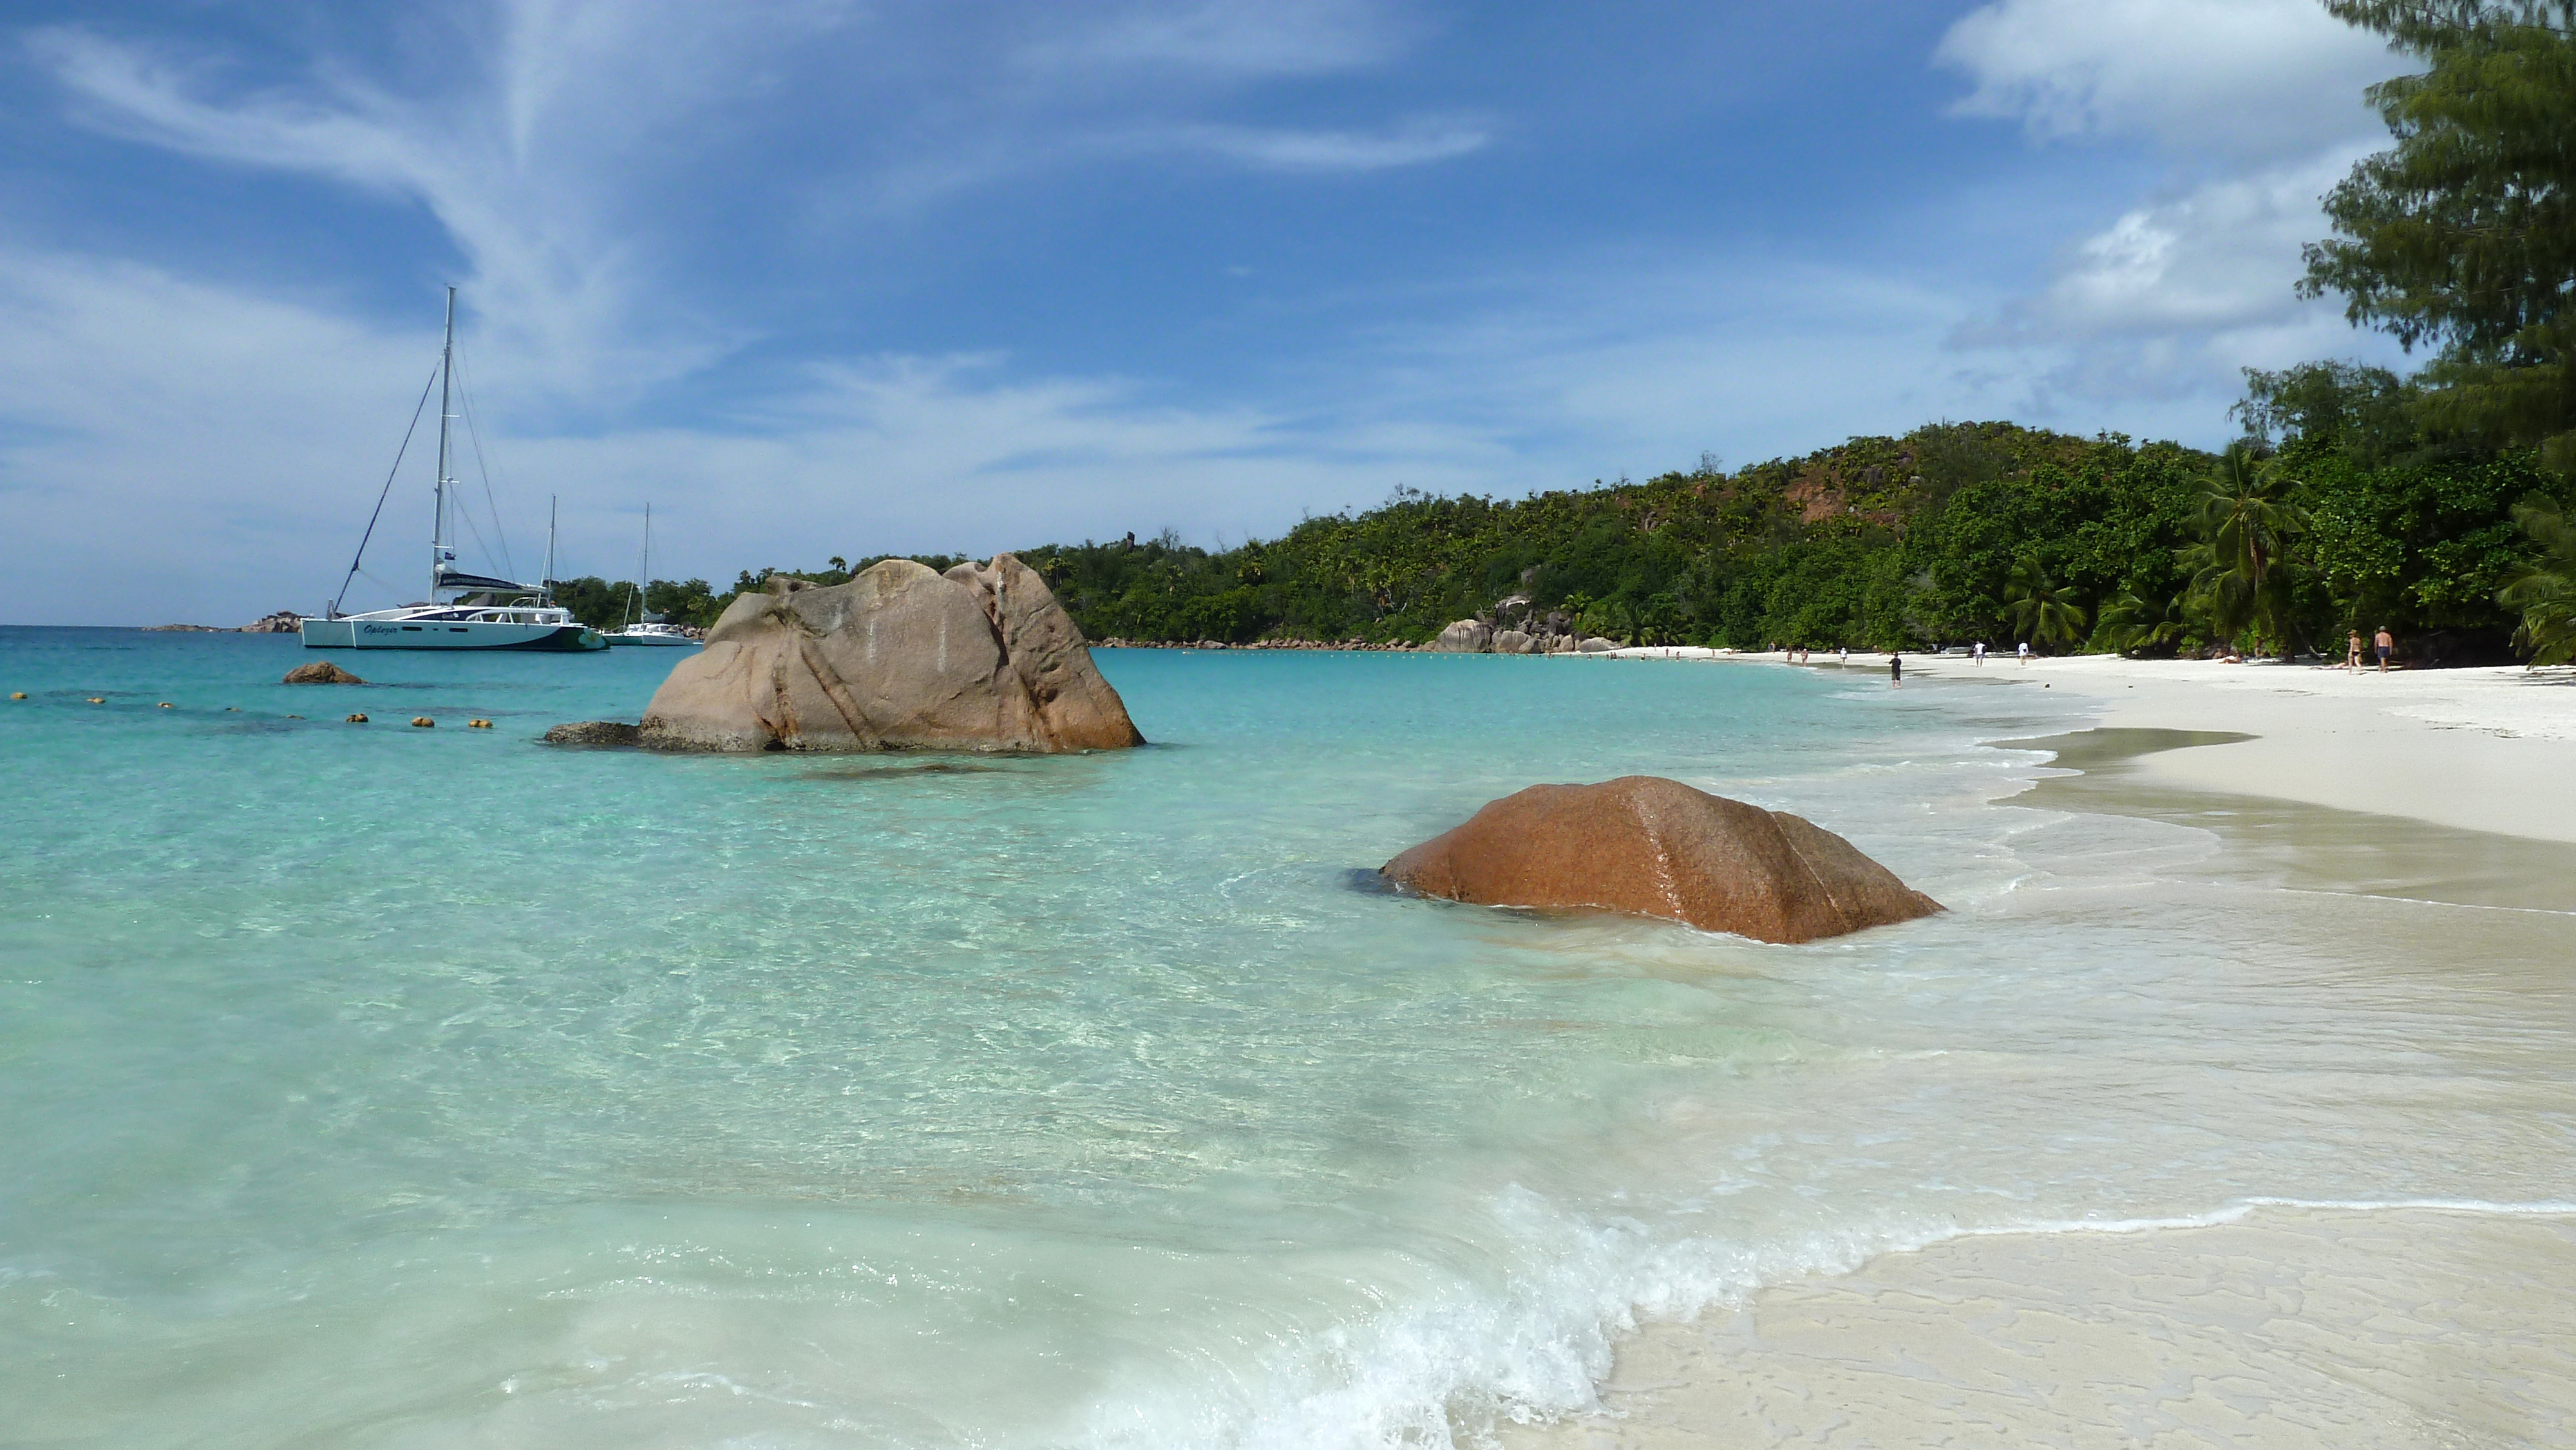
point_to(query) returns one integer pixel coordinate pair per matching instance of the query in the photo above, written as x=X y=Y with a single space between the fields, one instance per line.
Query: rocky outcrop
x=594 y=732
x=284 y=621
x=899 y=658
x=1466 y=637
x=1514 y=642
x=1597 y=646
x=321 y=672
x=1655 y=847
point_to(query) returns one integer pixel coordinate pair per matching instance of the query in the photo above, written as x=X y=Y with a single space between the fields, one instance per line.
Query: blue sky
x=824 y=278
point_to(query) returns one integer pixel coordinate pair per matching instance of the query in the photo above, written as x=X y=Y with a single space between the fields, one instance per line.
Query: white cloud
x=2261 y=100
x=1414 y=143
x=2224 y=254
x=2175 y=296
x=2262 y=78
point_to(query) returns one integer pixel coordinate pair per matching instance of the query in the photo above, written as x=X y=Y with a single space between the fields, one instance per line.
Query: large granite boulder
x=1596 y=645
x=1466 y=637
x=321 y=672
x=1656 y=847
x=899 y=658
x=1513 y=642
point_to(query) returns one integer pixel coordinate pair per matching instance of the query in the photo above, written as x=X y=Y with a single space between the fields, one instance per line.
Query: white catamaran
x=649 y=628
x=465 y=610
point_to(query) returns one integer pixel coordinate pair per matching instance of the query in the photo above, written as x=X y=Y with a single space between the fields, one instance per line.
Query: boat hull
x=447 y=635
x=651 y=641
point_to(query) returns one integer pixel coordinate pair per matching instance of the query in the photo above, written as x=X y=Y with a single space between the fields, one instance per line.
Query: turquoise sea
x=377 y=1086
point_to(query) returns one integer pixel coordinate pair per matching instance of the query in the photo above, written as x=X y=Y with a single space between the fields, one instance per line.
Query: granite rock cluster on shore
x=1654 y=847
x=321 y=672
x=1514 y=627
x=900 y=658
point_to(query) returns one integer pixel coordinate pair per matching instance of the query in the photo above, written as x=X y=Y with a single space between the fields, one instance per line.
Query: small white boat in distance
x=648 y=629
x=464 y=611
x=651 y=631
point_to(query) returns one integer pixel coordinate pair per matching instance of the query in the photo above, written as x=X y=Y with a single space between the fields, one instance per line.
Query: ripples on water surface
x=379 y=1086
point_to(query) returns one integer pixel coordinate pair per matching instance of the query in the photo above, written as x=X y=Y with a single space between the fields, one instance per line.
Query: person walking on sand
x=2022 y=651
x=1896 y=669
x=2384 y=642
x=2352 y=652
x=1979 y=654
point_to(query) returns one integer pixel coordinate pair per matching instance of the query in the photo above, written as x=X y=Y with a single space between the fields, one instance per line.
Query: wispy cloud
x=1230 y=38
x=1415 y=142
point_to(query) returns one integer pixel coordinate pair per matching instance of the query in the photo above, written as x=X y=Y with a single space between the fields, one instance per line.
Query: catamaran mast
x=438 y=528
x=546 y=585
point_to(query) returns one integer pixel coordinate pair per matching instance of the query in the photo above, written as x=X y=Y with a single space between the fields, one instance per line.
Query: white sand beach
x=2480 y=749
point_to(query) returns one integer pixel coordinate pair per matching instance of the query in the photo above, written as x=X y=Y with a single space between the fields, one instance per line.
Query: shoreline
x=2267 y=1322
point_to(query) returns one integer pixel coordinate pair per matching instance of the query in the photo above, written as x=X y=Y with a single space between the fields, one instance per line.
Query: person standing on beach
x=2352 y=652
x=1895 y=669
x=2384 y=642
x=1980 y=653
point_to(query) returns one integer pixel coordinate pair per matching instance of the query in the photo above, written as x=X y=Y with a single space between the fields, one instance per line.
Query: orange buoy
x=98 y=699
x=166 y=705
x=357 y=719
x=17 y=694
x=422 y=722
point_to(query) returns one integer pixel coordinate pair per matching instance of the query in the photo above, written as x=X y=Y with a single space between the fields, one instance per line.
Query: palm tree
x=2132 y=624
x=2246 y=521
x=2043 y=610
x=2545 y=589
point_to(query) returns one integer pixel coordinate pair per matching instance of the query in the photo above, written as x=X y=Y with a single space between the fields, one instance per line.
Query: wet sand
x=2293 y=1327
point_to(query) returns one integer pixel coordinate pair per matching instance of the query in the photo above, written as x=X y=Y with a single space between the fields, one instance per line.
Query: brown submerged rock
x=587 y=732
x=1656 y=847
x=321 y=672
x=899 y=658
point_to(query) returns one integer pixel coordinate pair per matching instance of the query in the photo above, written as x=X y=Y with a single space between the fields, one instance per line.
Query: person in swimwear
x=2385 y=643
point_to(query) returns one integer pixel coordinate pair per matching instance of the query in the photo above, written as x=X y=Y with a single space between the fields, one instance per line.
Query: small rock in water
x=594 y=732
x=321 y=672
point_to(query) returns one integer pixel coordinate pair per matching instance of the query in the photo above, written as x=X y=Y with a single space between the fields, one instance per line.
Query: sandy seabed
x=2387 y=1322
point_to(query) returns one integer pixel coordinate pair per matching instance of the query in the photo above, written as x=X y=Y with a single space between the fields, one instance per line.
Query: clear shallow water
x=379 y=1086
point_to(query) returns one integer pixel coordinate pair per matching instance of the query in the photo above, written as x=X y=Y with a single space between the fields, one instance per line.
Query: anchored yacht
x=464 y=610
x=648 y=628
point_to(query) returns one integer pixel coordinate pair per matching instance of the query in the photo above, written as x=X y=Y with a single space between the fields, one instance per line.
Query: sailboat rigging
x=464 y=610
